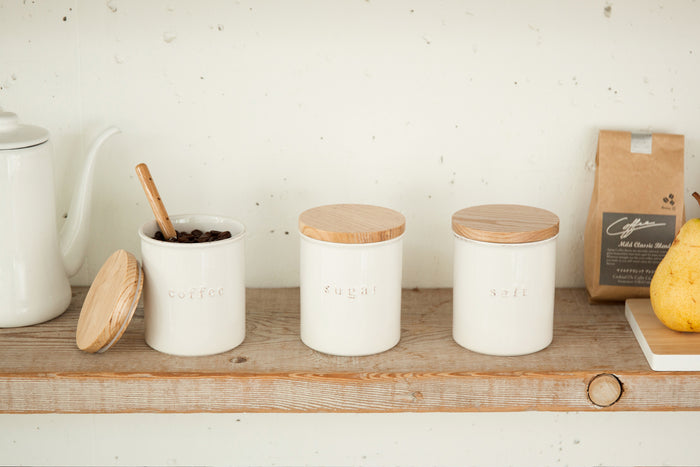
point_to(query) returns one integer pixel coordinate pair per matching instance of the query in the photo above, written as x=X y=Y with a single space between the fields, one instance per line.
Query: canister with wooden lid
x=504 y=273
x=350 y=278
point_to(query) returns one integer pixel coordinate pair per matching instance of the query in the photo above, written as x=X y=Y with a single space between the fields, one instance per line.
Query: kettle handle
x=74 y=233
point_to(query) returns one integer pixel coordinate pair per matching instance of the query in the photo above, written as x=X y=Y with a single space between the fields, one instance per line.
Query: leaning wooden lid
x=110 y=303
x=505 y=223
x=351 y=223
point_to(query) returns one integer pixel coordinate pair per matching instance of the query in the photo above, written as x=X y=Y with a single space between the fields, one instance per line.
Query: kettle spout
x=74 y=233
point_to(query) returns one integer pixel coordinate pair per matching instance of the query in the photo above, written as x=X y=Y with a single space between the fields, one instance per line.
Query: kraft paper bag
x=636 y=211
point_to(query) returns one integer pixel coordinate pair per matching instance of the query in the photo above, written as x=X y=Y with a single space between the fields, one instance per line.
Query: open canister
x=504 y=271
x=194 y=293
x=350 y=278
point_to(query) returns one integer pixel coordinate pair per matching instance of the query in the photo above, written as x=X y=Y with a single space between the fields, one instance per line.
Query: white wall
x=260 y=110
x=465 y=439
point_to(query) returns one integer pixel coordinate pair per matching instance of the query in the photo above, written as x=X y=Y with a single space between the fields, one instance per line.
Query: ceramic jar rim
x=519 y=244
x=195 y=220
x=350 y=245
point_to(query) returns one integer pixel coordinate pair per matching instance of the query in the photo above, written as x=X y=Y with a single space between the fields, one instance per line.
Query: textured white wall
x=435 y=439
x=260 y=110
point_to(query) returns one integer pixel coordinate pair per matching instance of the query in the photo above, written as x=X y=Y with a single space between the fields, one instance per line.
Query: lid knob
x=8 y=121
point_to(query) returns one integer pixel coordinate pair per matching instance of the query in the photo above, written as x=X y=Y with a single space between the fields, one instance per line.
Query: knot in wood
x=604 y=390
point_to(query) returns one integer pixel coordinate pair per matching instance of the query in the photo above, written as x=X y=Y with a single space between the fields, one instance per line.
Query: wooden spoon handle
x=166 y=227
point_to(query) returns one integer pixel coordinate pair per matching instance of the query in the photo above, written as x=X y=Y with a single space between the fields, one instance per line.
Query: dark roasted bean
x=196 y=236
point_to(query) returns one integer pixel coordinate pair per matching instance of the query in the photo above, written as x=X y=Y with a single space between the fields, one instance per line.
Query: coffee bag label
x=632 y=245
x=640 y=143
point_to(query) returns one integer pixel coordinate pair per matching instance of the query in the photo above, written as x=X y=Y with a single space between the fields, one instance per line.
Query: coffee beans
x=196 y=236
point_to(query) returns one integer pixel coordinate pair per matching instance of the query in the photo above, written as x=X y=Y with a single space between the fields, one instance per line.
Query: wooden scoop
x=166 y=227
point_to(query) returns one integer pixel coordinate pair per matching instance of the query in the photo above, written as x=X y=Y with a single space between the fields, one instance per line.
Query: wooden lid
x=110 y=303
x=505 y=223
x=352 y=223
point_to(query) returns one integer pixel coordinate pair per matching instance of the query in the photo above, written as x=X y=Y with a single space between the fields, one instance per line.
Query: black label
x=632 y=247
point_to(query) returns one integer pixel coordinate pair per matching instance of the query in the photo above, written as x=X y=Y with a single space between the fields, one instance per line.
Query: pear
x=675 y=287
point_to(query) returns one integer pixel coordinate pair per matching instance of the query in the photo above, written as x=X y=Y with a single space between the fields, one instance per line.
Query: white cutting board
x=665 y=349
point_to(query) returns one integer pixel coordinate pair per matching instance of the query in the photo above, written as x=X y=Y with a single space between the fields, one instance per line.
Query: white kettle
x=34 y=264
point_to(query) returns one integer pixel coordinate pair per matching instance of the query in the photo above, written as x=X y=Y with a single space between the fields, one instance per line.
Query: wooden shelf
x=42 y=370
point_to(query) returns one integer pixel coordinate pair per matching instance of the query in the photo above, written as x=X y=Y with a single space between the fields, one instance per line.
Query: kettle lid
x=14 y=135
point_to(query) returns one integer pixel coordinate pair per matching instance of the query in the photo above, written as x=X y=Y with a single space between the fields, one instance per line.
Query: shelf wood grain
x=42 y=370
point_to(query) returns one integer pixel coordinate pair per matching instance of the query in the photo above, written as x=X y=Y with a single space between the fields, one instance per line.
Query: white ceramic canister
x=350 y=278
x=194 y=293
x=504 y=268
